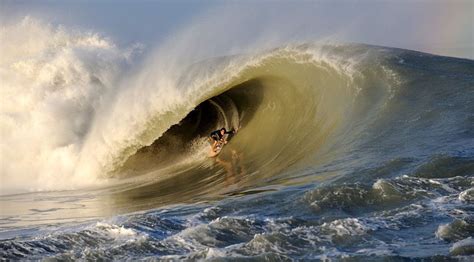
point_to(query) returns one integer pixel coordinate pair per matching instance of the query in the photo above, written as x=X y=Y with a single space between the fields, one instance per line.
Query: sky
x=439 y=27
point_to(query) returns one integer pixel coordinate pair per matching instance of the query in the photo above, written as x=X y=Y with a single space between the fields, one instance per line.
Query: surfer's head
x=223 y=130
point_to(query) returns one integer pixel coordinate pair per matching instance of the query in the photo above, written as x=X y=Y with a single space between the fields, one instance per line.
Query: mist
x=439 y=27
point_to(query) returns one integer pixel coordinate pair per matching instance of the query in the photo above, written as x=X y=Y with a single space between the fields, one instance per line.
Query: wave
x=287 y=102
x=88 y=112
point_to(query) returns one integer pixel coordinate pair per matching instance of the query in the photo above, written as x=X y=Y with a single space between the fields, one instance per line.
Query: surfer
x=218 y=136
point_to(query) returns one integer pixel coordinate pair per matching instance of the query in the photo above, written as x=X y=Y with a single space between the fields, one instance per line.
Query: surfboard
x=219 y=147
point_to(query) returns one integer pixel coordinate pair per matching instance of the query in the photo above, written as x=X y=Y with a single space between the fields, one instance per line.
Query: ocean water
x=342 y=151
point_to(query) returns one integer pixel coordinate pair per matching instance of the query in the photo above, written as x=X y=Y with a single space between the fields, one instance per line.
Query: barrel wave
x=341 y=151
x=294 y=107
x=289 y=105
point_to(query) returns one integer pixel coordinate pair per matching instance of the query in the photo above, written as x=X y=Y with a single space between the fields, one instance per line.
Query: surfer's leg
x=213 y=147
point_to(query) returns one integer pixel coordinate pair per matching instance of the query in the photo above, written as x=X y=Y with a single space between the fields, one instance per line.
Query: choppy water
x=342 y=151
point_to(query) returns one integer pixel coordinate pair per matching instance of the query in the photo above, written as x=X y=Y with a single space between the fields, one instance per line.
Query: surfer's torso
x=216 y=135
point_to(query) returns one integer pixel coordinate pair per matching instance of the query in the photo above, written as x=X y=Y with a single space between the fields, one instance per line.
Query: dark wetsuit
x=216 y=135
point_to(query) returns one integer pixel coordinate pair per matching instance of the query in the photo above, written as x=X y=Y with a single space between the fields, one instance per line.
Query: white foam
x=379 y=251
x=194 y=237
x=53 y=81
x=443 y=231
x=121 y=233
x=215 y=253
x=347 y=227
x=442 y=185
x=467 y=195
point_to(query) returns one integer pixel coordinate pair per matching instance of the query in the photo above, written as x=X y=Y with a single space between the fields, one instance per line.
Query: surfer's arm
x=230 y=132
x=224 y=139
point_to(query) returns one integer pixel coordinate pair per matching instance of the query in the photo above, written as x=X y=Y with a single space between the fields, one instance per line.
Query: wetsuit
x=216 y=135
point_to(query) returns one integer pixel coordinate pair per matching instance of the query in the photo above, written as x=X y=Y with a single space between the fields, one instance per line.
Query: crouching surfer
x=218 y=136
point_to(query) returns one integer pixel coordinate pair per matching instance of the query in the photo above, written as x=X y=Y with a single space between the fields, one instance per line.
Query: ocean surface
x=342 y=152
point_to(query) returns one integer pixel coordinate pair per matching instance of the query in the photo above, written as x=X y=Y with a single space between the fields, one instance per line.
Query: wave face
x=286 y=104
x=342 y=150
